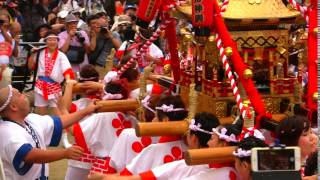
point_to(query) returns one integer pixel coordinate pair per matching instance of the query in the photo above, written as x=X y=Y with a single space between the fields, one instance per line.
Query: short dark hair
x=207 y=122
x=291 y=128
x=177 y=102
x=311 y=165
x=249 y=143
x=148 y=115
x=91 y=17
x=118 y=87
x=89 y=72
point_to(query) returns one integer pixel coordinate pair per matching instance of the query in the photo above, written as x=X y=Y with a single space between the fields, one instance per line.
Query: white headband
x=109 y=96
x=223 y=136
x=8 y=99
x=241 y=153
x=145 y=103
x=197 y=127
x=51 y=36
x=170 y=108
x=110 y=76
x=87 y=79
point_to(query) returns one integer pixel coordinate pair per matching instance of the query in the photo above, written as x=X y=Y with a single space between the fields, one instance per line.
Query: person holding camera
x=75 y=44
x=105 y=41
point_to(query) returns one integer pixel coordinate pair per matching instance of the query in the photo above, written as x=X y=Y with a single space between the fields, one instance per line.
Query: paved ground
x=58 y=170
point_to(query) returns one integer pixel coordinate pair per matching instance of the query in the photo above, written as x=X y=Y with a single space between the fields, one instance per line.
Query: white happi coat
x=100 y=131
x=61 y=67
x=16 y=143
x=127 y=146
x=76 y=106
x=216 y=172
x=168 y=149
x=175 y=170
x=134 y=94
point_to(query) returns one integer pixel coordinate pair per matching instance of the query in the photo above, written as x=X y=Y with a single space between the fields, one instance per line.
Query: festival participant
x=243 y=154
x=132 y=75
x=24 y=136
x=226 y=135
x=169 y=148
x=198 y=136
x=153 y=55
x=97 y=133
x=296 y=131
x=128 y=145
x=52 y=68
x=87 y=73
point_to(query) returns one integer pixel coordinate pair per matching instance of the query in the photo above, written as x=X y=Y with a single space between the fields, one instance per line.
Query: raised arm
x=36 y=155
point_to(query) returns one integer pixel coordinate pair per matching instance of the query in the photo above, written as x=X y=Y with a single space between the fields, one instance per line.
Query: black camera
x=80 y=37
x=133 y=17
x=129 y=33
x=1 y=22
x=103 y=29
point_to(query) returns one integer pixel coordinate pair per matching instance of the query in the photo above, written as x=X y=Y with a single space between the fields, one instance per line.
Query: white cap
x=63 y=14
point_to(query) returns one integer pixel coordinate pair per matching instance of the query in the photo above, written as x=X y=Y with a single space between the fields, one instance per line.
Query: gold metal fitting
x=315 y=96
x=211 y=38
x=188 y=37
x=246 y=102
x=281 y=50
x=315 y=31
x=228 y=51
x=247 y=74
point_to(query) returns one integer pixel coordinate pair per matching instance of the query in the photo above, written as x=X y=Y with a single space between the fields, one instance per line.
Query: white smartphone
x=276 y=159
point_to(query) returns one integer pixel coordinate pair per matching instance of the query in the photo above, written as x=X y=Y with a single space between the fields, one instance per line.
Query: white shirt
x=100 y=131
x=127 y=146
x=16 y=142
x=223 y=173
x=175 y=170
x=155 y=155
x=134 y=94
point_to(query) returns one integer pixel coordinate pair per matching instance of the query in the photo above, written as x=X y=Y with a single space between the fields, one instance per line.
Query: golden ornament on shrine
x=167 y=69
x=228 y=51
x=246 y=102
x=315 y=96
x=188 y=37
x=183 y=31
x=247 y=74
x=315 y=31
x=281 y=49
x=211 y=38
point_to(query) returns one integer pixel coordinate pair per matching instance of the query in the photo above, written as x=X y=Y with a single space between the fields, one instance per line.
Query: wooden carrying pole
x=168 y=128
x=118 y=105
x=209 y=155
x=162 y=128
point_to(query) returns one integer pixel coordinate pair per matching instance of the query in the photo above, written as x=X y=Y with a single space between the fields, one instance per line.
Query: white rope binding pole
x=235 y=90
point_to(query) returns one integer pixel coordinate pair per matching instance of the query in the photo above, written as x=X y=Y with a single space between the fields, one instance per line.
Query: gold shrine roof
x=251 y=9
x=258 y=9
